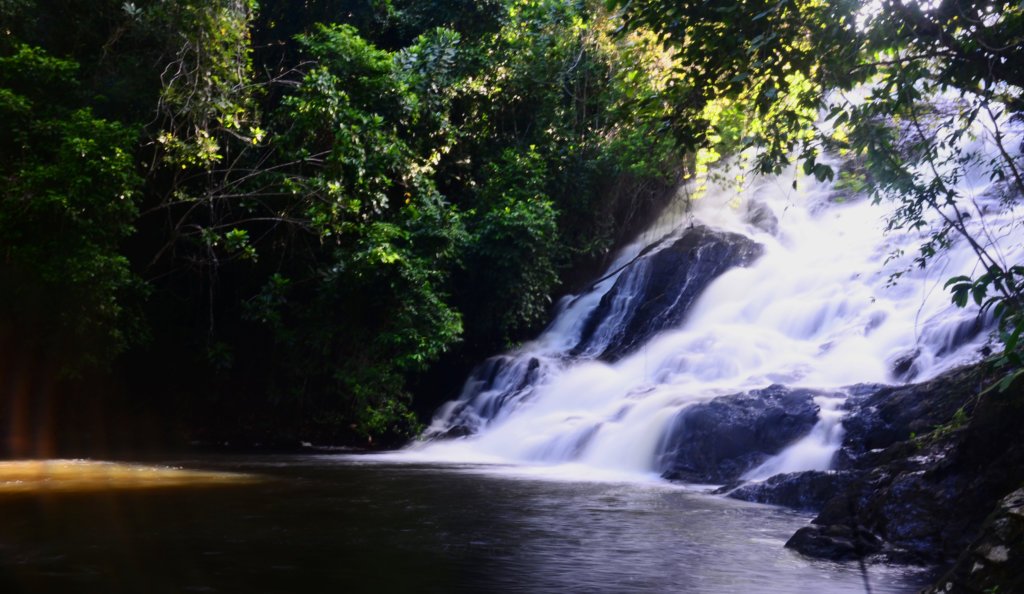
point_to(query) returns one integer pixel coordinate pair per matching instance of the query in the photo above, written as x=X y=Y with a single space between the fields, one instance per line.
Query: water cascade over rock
x=654 y=292
x=720 y=440
x=728 y=344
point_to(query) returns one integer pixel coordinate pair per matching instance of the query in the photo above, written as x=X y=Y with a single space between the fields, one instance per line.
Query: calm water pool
x=348 y=524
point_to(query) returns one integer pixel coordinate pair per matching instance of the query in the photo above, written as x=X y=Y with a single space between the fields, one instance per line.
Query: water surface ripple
x=353 y=524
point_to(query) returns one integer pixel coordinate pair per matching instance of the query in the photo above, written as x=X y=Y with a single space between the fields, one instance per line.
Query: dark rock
x=929 y=462
x=880 y=416
x=994 y=561
x=904 y=367
x=836 y=542
x=495 y=384
x=951 y=334
x=719 y=440
x=665 y=283
x=761 y=216
x=799 y=490
x=453 y=432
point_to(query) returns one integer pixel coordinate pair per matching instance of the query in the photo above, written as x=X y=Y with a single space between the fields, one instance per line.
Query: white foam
x=816 y=310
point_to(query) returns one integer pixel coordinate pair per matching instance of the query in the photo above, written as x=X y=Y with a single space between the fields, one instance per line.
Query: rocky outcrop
x=494 y=385
x=807 y=491
x=838 y=542
x=880 y=416
x=917 y=478
x=656 y=291
x=652 y=293
x=994 y=562
x=923 y=465
x=717 y=441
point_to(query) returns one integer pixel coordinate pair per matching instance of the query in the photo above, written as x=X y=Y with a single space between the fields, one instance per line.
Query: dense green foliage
x=277 y=218
x=68 y=201
x=905 y=87
x=286 y=214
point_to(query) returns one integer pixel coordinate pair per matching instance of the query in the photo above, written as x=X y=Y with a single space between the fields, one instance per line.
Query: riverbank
x=926 y=474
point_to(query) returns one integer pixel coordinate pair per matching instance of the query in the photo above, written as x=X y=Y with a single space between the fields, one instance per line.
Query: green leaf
x=1007 y=381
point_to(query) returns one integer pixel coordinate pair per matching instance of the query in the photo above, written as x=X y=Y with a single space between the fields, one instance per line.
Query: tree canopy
x=302 y=210
x=299 y=210
x=905 y=87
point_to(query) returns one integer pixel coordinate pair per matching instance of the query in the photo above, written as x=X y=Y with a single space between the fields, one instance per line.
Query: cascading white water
x=813 y=452
x=816 y=309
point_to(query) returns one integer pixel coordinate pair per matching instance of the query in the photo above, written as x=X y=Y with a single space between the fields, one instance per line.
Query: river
x=336 y=523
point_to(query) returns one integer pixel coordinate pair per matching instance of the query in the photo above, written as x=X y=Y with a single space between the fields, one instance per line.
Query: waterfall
x=739 y=324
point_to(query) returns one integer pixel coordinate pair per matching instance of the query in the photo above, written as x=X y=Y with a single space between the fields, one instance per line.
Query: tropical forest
x=696 y=296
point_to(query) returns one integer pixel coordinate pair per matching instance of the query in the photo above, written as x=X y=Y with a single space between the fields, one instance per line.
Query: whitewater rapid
x=818 y=309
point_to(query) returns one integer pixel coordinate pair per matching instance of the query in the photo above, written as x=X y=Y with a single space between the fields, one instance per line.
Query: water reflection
x=327 y=524
x=35 y=476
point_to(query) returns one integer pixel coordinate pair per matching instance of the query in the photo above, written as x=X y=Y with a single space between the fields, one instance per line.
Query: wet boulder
x=493 y=387
x=808 y=490
x=719 y=440
x=880 y=416
x=838 y=542
x=929 y=462
x=655 y=292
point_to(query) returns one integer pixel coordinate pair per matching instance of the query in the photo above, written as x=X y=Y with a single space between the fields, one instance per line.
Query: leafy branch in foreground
x=905 y=87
